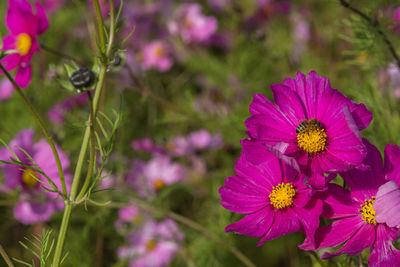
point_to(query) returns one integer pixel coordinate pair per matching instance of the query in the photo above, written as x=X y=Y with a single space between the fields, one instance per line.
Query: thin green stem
x=62 y=234
x=112 y=26
x=100 y=25
x=88 y=130
x=42 y=127
x=5 y=257
x=92 y=150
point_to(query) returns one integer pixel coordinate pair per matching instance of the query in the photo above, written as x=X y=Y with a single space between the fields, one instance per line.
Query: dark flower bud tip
x=82 y=78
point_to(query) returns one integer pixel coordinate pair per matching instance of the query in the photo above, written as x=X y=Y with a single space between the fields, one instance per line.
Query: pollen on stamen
x=368 y=212
x=28 y=178
x=24 y=44
x=311 y=137
x=282 y=195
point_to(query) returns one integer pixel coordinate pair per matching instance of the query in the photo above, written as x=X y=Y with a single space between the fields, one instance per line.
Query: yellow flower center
x=24 y=43
x=282 y=195
x=159 y=52
x=159 y=184
x=311 y=137
x=368 y=212
x=28 y=177
x=151 y=245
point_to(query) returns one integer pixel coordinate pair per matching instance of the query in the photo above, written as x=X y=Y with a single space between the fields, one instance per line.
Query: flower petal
x=387 y=204
x=392 y=159
x=362 y=239
x=383 y=253
x=255 y=224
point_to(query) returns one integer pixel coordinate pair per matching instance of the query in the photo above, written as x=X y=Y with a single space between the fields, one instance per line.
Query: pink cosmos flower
x=271 y=193
x=157 y=54
x=24 y=26
x=354 y=217
x=128 y=216
x=202 y=139
x=151 y=177
x=155 y=244
x=192 y=25
x=35 y=204
x=319 y=125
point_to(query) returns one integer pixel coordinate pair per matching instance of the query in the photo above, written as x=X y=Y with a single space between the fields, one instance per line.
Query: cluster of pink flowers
x=296 y=147
x=150 y=177
x=35 y=203
x=149 y=242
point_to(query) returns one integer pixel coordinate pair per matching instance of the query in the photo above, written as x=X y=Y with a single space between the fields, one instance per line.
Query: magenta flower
x=192 y=25
x=157 y=54
x=319 y=125
x=24 y=26
x=353 y=211
x=202 y=139
x=272 y=194
x=155 y=244
x=35 y=204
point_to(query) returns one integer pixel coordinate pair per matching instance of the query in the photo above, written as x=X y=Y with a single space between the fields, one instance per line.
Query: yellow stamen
x=28 y=177
x=368 y=212
x=151 y=245
x=311 y=136
x=24 y=44
x=159 y=184
x=282 y=195
x=159 y=52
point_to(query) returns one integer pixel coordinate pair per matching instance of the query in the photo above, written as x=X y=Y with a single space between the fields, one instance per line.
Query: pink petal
x=387 y=204
x=392 y=159
x=362 y=239
x=6 y=89
x=290 y=103
x=285 y=222
x=383 y=253
x=43 y=23
x=241 y=197
x=338 y=202
x=255 y=224
x=23 y=76
x=371 y=178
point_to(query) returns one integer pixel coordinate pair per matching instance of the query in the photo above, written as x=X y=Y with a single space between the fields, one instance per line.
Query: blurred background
x=183 y=87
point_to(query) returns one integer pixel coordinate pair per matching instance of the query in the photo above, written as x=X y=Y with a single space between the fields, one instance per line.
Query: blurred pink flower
x=154 y=244
x=35 y=204
x=24 y=26
x=157 y=55
x=147 y=145
x=192 y=25
x=150 y=177
x=52 y=5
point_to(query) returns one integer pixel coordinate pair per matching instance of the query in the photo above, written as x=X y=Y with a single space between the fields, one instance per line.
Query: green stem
x=62 y=234
x=92 y=150
x=5 y=257
x=101 y=25
x=42 y=127
x=85 y=142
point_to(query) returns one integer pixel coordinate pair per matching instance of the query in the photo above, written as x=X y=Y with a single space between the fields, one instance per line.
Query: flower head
x=355 y=222
x=24 y=26
x=318 y=124
x=35 y=203
x=157 y=54
x=151 y=177
x=271 y=193
x=154 y=244
x=192 y=25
